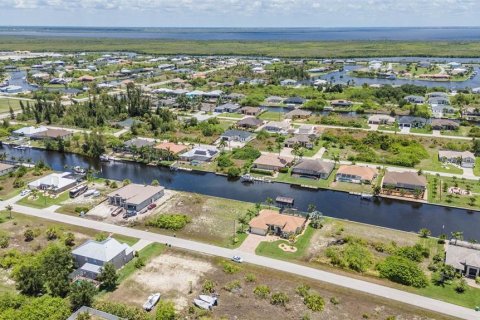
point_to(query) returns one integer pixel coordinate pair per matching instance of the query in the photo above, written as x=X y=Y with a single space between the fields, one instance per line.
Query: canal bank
x=389 y=213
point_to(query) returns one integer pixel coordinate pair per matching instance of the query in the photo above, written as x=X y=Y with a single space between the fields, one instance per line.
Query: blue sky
x=240 y=13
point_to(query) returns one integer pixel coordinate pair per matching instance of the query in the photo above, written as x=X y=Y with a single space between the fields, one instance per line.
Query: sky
x=240 y=13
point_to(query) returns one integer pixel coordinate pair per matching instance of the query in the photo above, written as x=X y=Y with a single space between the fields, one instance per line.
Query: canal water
x=402 y=215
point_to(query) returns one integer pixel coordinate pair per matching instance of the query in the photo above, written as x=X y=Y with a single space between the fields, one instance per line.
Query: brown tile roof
x=365 y=173
x=172 y=147
x=410 y=178
x=53 y=133
x=272 y=159
x=268 y=217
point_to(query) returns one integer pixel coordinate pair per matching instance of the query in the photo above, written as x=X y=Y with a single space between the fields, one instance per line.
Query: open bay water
x=255 y=34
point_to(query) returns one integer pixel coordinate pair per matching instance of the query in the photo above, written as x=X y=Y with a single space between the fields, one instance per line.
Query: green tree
x=81 y=294
x=155 y=182
x=108 y=276
x=69 y=239
x=9 y=208
x=403 y=271
x=29 y=235
x=29 y=279
x=57 y=264
x=424 y=233
x=165 y=311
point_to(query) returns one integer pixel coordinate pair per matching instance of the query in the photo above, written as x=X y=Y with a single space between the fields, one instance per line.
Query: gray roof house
x=415 y=99
x=412 y=122
x=317 y=169
x=200 y=153
x=137 y=143
x=91 y=256
x=227 y=107
x=298 y=114
x=303 y=140
x=404 y=180
x=465 y=159
x=464 y=257
x=250 y=123
x=236 y=135
x=438 y=100
x=135 y=197
x=438 y=110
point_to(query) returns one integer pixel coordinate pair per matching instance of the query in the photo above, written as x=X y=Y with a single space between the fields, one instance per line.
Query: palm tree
x=222 y=144
x=9 y=209
x=269 y=201
x=457 y=235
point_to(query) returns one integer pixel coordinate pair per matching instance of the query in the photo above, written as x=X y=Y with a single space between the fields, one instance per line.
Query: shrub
x=113 y=185
x=461 y=286
x=279 y=299
x=314 y=302
x=122 y=310
x=52 y=233
x=250 y=277
x=233 y=172
x=334 y=301
x=81 y=209
x=69 y=239
x=29 y=235
x=169 y=221
x=246 y=153
x=4 y=240
x=415 y=253
x=353 y=256
x=233 y=286
x=208 y=286
x=425 y=233
x=477 y=280
x=139 y=262
x=165 y=311
x=18 y=183
x=229 y=267
x=403 y=271
x=223 y=161
x=261 y=291
x=303 y=289
x=283 y=170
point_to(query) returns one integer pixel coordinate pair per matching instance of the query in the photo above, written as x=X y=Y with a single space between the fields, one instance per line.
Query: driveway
x=251 y=243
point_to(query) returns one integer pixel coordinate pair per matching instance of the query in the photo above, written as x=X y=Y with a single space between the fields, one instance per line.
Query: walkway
x=332 y=278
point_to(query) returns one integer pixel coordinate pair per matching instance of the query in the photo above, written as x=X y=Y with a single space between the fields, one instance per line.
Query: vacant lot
x=212 y=219
x=6 y=103
x=179 y=277
x=7 y=189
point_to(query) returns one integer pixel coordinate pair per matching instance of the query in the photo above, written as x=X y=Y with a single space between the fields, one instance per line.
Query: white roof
x=57 y=180
x=27 y=131
x=103 y=251
x=91 y=267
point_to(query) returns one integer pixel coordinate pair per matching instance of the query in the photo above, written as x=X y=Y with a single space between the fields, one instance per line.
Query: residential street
x=344 y=281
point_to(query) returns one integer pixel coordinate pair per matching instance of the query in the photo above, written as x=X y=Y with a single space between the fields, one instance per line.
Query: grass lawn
x=6 y=103
x=436 y=192
x=6 y=182
x=313 y=151
x=232 y=115
x=433 y=164
x=476 y=169
x=469 y=299
x=146 y=253
x=271 y=249
x=421 y=130
x=319 y=183
x=461 y=132
x=42 y=201
x=384 y=127
x=271 y=116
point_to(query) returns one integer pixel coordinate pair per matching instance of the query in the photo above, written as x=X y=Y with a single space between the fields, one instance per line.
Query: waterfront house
x=415 y=99
x=234 y=96
x=466 y=159
x=381 y=119
x=54 y=182
x=281 y=127
x=440 y=110
x=298 y=114
x=200 y=153
x=464 y=257
x=52 y=134
x=271 y=221
x=439 y=100
x=251 y=111
x=355 y=174
x=274 y=100
x=227 y=108
x=272 y=162
x=135 y=197
x=288 y=82
x=341 y=103
x=316 y=169
x=236 y=135
x=412 y=122
x=407 y=181
x=173 y=148
x=91 y=256
x=249 y=123
x=294 y=100
x=438 y=94
x=86 y=78
x=444 y=124
x=29 y=131
x=6 y=168
x=471 y=113
x=137 y=143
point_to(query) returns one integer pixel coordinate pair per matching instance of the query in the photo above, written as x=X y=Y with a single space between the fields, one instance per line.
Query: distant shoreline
x=281 y=49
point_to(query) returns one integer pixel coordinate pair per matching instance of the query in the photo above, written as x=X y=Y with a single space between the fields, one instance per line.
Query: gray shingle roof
x=103 y=251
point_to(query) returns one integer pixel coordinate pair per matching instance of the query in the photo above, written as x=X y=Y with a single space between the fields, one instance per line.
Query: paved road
x=335 y=279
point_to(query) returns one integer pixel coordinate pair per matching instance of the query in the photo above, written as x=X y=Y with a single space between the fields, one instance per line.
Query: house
x=438 y=101
x=97 y=314
x=249 y=123
x=171 y=147
x=438 y=95
x=355 y=174
x=28 y=131
x=298 y=114
x=466 y=159
x=201 y=153
x=471 y=113
x=316 y=169
x=411 y=122
x=234 y=96
x=381 y=119
x=6 y=168
x=277 y=127
x=444 y=124
x=91 y=256
x=227 y=107
x=439 y=110
x=127 y=123
x=236 y=135
x=294 y=100
x=138 y=143
x=251 y=111
x=86 y=78
x=415 y=99
x=341 y=103
x=54 y=182
x=464 y=257
x=288 y=82
x=272 y=162
x=135 y=197
x=274 y=99
x=309 y=129
x=51 y=134
x=271 y=221
x=407 y=180
x=302 y=140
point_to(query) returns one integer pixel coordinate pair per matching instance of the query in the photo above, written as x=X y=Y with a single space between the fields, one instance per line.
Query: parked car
x=237 y=259
x=25 y=192
x=151 y=206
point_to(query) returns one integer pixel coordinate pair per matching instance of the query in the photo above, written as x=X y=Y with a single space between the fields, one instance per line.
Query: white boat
x=105 y=158
x=79 y=170
x=151 y=301
x=208 y=299
x=366 y=196
x=246 y=178
x=202 y=304
x=89 y=192
x=22 y=147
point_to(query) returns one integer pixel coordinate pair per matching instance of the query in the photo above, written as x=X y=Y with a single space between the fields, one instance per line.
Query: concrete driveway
x=251 y=243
